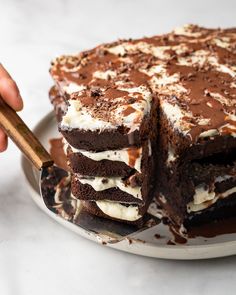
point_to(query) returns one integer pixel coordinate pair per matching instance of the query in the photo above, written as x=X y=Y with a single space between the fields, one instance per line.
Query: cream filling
x=209 y=133
x=102 y=183
x=78 y=117
x=175 y=114
x=171 y=156
x=119 y=211
x=202 y=195
x=123 y=155
x=191 y=207
x=203 y=199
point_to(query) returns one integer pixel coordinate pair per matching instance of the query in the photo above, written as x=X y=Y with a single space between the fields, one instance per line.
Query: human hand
x=11 y=95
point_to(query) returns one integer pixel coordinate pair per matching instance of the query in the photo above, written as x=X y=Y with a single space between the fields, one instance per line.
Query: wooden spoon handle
x=26 y=141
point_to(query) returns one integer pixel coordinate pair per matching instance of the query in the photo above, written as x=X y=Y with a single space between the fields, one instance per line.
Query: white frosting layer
x=123 y=155
x=203 y=198
x=78 y=117
x=98 y=184
x=119 y=211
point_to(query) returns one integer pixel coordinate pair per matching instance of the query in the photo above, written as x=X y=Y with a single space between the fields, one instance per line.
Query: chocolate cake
x=152 y=117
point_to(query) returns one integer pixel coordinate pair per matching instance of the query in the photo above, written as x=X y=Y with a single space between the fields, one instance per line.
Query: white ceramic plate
x=144 y=243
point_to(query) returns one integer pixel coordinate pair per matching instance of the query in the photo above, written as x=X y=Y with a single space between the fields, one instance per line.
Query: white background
x=37 y=255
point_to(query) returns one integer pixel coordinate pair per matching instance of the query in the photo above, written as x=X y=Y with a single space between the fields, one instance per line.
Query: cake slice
x=110 y=130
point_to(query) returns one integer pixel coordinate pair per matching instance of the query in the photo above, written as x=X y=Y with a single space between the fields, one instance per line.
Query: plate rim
x=175 y=252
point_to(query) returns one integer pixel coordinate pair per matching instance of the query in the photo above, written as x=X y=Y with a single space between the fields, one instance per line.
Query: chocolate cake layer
x=83 y=165
x=86 y=192
x=132 y=190
x=96 y=141
x=214 y=146
x=110 y=163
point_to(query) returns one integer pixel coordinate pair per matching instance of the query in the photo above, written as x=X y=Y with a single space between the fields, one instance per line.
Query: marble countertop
x=37 y=255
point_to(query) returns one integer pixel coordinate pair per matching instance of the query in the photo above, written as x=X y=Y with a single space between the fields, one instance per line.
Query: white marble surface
x=37 y=255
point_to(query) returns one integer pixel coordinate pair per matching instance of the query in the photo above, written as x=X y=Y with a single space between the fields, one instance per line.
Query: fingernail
x=21 y=103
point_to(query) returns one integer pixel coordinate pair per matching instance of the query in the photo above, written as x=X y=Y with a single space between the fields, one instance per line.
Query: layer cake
x=152 y=117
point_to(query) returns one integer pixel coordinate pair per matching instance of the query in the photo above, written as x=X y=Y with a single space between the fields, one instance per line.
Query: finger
x=9 y=90
x=10 y=93
x=4 y=73
x=3 y=141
